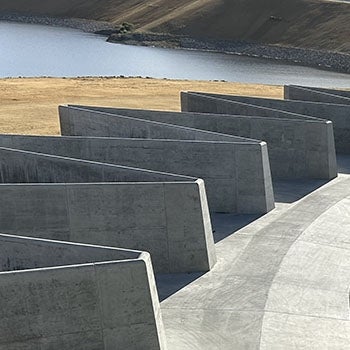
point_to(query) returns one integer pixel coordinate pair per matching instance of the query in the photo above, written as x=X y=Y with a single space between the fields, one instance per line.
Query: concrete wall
x=79 y=121
x=299 y=146
x=292 y=92
x=337 y=114
x=343 y=93
x=104 y=304
x=168 y=219
x=222 y=165
x=18 y=166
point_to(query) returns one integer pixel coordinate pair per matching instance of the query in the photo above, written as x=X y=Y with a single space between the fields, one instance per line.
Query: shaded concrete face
x=343 y=93
x=106 y=299
x=299 y=146
x=18 y=166
x=222 y=165
x=294 y=92
x=94 y=121
x=337 y=114
x=236 y=171
x=169 y=219
x=291 y=153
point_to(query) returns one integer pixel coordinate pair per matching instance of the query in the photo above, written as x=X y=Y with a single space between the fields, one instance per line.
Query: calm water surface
x=34 y=50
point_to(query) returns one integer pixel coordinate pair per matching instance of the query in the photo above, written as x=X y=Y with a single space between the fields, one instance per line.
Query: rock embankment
x=85 y=25
x=334 y=61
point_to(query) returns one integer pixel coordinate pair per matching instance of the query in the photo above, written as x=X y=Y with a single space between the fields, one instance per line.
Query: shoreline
x=325 y=60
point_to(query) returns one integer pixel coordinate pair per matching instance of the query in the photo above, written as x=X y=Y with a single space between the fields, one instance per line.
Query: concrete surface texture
x=305 y=93
x=299 y=146
x=343 y=93
x=235 y=170
x=281 y=282
x=57 y=295
x=337 y=114
x=75 y=200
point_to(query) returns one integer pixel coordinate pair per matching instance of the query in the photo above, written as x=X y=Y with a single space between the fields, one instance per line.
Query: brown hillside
x=305 y=23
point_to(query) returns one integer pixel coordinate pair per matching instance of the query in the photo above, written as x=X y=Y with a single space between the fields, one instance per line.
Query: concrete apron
x=279 y=283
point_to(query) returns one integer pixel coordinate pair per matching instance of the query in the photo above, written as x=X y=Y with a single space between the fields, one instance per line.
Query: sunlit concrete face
x=82 y=201
x=310 y=110
x=59 y=295
x=299 y=146
x=236 y=170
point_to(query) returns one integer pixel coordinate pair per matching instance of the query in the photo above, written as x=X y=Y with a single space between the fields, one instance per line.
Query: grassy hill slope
x=315 y=24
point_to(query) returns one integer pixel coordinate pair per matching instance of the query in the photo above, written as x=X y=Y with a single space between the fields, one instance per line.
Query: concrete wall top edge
x=19 y=238
x=72 y=266
x=287 y=115
x=295 y=102
x=21 y=253
x=329 y=91
x=115 y=167
x=121 y=139
x=216 y=136
x=90 y=184
x=328 y=95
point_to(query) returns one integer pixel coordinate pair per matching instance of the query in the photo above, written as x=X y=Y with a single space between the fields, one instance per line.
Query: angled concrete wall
x=337 y=114
x=241 y=184
x=168 y=218
x=222 y=165
x=86 y=121
x=293 y=92
x=18 y=166
x=296 y=145
x=299 y=146
x=343 y=93
x=57 y=295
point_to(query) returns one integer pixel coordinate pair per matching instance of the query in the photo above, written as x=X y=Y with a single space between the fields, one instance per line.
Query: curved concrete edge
x=228 y=191
x=280 y=283
x=305 y=93
x=93 y=303
x=299 y=146
x=309 y=294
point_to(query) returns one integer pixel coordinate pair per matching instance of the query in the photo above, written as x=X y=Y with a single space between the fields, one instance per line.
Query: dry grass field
x=29 y=105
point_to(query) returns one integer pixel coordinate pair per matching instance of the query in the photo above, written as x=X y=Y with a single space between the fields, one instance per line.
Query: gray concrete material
x=343 y=93
x=222 y=165
x=168 y=219
x=95 y=298
x=255 y=196
x=91 y=121
x=280 y=283
x=293 y=92
x=17 y=166
x=337 y=114
x=200 y=102
x=299 y=146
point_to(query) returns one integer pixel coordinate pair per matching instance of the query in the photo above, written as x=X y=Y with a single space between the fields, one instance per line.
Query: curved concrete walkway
x=281 y=282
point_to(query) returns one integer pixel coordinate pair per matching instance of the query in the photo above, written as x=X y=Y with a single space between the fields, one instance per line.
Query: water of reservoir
x=34 y=50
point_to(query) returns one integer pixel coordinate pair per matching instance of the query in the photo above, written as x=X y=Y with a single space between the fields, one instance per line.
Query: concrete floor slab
x=281 y=282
